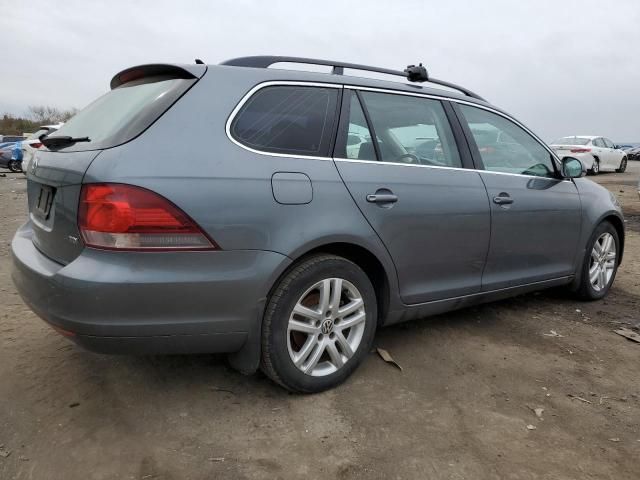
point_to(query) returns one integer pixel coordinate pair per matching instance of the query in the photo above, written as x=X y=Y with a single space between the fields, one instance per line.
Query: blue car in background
x=11 y=156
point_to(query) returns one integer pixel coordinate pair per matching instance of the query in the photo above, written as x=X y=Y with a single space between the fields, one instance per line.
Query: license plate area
x=44 y=201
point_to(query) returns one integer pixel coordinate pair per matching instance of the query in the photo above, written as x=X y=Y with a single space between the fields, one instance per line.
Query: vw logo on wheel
x=327 y=326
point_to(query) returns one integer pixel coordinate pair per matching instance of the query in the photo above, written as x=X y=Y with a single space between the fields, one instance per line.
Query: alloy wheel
x=326 y=327
x=603 y=261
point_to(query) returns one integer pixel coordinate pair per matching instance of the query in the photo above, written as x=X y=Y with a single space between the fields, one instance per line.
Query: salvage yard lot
x=463 y=407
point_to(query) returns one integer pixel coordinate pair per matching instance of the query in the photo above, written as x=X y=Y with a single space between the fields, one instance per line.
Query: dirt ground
x=461 y=408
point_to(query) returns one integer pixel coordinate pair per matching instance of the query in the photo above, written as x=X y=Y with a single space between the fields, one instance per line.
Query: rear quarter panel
x=187 y=157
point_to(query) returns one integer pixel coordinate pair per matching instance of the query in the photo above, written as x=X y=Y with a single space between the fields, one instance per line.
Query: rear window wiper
x=62 y=141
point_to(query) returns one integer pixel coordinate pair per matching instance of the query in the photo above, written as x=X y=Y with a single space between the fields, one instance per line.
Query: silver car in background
x=319 y=208
x=599 y=154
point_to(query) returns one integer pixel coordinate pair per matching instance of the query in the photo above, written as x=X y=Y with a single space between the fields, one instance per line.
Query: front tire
x=600 y=263
x=623 y=165
x=15 y=166
x=319 y=324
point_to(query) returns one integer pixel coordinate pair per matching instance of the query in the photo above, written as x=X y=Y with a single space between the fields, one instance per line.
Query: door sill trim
x=554 y=280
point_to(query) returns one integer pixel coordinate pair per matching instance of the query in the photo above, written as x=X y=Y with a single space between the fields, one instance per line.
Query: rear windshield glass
x=295 y=120
x=123 y=113
x=571 y=141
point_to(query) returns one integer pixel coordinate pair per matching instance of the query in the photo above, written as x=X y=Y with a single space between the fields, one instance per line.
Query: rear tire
x=600 y=263
x=322 y=342
x=623 y=165
x=595 y=168
x=15 y=166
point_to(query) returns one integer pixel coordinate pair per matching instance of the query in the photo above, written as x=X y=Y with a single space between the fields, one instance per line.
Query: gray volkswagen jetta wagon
x=283 y=216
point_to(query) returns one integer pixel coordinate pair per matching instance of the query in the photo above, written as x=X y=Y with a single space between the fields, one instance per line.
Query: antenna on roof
x=199 y=62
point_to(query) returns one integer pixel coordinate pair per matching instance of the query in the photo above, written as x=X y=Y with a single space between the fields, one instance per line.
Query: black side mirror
x=573 y=168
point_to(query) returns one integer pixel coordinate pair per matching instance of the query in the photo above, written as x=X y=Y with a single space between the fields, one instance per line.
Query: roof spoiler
x=413 y=73
x=142 y=71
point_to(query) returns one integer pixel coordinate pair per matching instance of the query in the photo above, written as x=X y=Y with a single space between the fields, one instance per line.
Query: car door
x=535 y=214
x=410 y=182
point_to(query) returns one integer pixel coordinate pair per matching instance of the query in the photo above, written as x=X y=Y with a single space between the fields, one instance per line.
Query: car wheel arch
x=247 y=360
x=618 y=224
x=614 y=219
x=368 y=262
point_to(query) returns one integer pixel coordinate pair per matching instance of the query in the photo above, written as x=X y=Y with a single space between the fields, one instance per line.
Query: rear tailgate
x=53 y=189
x=139 y=96
x=568 y=150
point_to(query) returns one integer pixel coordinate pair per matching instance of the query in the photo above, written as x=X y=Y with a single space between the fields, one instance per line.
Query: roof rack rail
x=412 y=73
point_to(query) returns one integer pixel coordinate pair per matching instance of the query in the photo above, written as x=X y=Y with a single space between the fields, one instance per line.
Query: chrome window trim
x=246 y=98
x=398 y=164
x=270 y=83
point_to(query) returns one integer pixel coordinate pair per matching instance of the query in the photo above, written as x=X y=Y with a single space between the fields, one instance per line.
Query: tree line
x=36 y=115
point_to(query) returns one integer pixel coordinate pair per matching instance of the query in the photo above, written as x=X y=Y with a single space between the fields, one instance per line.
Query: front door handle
x=382 y=198
x=503 y=199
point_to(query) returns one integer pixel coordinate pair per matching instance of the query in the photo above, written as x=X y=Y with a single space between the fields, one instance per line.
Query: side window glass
x=608 y=143
x=598 y=142
x=359 y=143
x=412 y=130
x=295 y=120
x=506 y=147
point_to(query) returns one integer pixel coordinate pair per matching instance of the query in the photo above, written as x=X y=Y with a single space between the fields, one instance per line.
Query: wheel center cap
x=327 y=326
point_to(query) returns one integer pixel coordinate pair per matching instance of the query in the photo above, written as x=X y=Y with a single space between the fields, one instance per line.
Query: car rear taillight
x=580 y=150
x=125 y=217
x=35 y=145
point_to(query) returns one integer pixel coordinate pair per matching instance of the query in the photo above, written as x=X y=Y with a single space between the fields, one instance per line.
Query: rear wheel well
x=368 y=262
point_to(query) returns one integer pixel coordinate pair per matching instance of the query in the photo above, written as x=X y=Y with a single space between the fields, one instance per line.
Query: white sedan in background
x=598 y=154
x=33 y=143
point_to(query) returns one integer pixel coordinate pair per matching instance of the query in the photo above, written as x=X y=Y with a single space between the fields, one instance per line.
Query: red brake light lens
x=35 y=145
x=125 y=217
x=131 y=75
x=580 y=150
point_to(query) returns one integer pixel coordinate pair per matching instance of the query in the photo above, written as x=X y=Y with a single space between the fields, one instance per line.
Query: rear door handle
x=382 y=198
x=503 y=199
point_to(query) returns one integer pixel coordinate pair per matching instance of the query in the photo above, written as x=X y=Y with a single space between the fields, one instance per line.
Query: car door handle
x=382 y=198
x=502 y=199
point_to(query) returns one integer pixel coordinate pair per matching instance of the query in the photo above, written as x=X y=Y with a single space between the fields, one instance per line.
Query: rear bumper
x=586 y=158
x=134 y=302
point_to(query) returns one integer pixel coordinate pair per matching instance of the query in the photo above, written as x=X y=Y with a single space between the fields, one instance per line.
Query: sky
x=562 y=67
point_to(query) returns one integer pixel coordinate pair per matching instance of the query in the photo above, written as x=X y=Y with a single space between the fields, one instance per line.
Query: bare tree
x=67 y=114
x=36 y=115
x=43 y=114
